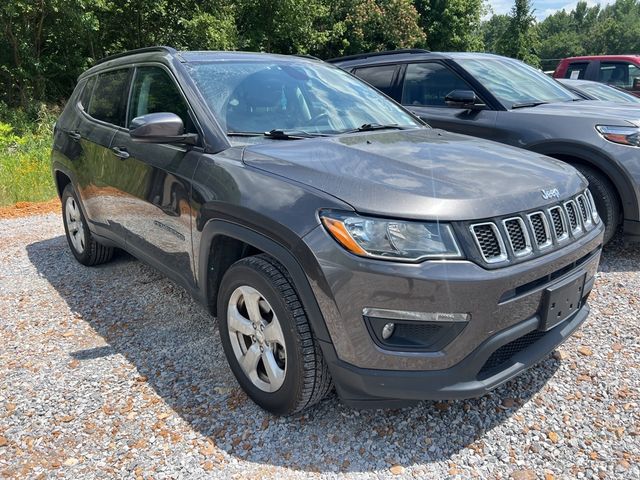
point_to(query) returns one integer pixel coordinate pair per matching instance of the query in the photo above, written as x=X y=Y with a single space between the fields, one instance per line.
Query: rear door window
x=381 y=77
x=576 y=70
x=109 y=97
x=429 y=83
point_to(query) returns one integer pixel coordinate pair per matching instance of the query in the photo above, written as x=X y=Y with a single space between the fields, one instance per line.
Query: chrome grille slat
x=518 y=236
x=540 y=227
x=572 y=214
x=585 y=213
x=489 y=241
x=559 y=223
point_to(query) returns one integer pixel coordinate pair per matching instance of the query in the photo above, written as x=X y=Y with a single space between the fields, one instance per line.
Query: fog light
x=387 y=330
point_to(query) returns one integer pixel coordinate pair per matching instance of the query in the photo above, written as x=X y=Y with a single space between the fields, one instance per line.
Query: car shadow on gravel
x=174 y=345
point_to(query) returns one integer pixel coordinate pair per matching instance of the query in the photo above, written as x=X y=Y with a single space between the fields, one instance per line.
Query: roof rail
x=169 y=50
x=378 y=54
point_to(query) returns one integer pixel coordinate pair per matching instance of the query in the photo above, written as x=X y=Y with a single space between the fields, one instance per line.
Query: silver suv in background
x=505 y=100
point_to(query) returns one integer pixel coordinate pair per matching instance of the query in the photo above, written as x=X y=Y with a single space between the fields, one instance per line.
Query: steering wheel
x=321 y=119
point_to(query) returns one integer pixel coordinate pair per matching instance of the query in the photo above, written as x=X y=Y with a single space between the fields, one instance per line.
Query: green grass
x=25 y=149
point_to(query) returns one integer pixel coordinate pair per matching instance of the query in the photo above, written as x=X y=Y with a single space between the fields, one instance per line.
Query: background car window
x=380 y=77
x=429 y=84
x=86 y=93
x=620 y=74
x=153 y=92
x=107 y=101
x=576 y=71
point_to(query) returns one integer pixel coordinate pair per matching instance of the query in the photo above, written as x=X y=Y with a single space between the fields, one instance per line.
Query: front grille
x=505 y=353
x=489 y=241
x=522 y=235
x=559 y=226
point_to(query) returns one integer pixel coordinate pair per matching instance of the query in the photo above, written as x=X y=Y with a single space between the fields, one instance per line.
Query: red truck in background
x=622 y=71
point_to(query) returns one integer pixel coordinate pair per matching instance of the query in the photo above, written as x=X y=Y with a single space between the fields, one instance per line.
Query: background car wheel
x=82 y=244
x=606 y=198
x=267 y=338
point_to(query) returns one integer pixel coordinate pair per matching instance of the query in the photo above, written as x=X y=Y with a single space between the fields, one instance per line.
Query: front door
x=424 y=88
x=156 y=179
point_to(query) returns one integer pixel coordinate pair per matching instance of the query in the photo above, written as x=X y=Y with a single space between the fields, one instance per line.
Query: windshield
x=514 y=82
x=605 y=92
x=257 y=96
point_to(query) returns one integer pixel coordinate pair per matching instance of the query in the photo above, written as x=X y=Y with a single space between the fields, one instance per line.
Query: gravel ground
x=116 y=372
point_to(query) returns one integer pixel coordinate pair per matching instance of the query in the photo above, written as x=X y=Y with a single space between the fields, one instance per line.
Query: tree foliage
x=46 y=44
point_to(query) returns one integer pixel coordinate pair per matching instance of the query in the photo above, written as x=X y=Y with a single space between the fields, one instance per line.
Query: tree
x=521 y=39
x=452 y=24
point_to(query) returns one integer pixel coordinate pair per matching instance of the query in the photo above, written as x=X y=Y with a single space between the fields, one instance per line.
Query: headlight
x=623 y=135
x=391 y=239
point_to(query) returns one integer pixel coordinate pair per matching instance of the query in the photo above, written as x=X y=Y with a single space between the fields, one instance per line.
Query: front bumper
x=504 y=304
x=368 y=388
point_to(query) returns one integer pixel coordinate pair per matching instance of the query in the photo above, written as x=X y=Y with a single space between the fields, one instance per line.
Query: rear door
x=155 y=179
x=382 y=77
x=102 y=107
x=424 y=88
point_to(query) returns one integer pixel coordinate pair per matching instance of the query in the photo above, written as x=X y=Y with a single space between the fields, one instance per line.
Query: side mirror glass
x=162 y=127
x=636 y=83
x=463 y=99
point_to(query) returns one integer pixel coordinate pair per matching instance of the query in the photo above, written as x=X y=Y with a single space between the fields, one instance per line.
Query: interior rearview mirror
x=161 y=127
x=463 y=99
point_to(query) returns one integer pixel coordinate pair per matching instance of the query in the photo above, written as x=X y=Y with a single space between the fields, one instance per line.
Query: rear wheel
x=606 y=198
x=267 y=338
x=82 y=244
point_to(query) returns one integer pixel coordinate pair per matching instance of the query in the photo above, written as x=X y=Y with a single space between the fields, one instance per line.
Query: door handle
x=120 y=152
x=75 y=135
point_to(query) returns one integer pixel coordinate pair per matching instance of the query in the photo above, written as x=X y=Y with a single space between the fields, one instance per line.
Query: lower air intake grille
x=508 y=351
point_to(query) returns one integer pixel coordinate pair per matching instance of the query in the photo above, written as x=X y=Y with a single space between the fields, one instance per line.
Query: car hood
x=598 y=110
x=421 y=173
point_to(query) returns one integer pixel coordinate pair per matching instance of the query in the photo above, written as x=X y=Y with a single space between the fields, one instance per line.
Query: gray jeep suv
x=338 y=240
x=505 y=100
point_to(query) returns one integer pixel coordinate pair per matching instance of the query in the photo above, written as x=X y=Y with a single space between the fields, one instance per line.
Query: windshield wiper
x=281 y=134
x=527 y=104
x=368 y=127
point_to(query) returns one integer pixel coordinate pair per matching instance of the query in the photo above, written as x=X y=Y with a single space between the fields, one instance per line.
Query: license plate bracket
x=562 y=300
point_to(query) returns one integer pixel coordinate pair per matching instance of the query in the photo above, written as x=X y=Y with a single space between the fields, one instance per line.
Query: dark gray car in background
x=505 y=100
x=338 y=240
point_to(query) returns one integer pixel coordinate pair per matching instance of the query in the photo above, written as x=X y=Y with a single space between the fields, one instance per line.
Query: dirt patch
x=25 y=209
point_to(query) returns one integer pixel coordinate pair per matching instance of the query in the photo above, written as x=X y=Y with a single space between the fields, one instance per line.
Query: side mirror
x=463 y=99
x=636 y=84
x=163 y=127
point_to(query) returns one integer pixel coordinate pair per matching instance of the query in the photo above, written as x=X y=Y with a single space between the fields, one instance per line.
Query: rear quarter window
x=87 y=91
x=108 y=99
x=380 y=77
x=576 y=70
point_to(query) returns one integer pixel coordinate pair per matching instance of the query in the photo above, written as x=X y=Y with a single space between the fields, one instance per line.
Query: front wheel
x=82 y=244
x=267 y=338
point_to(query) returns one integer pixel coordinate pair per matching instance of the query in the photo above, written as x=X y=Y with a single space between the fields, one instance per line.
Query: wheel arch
x=601 y=163
x=224 y=242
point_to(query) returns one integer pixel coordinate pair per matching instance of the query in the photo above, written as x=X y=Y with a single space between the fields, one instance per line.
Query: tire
x=298 y=374
x=82 y=244
x=606 y=198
